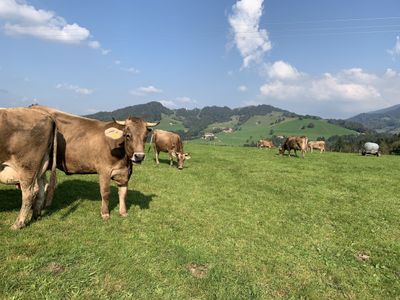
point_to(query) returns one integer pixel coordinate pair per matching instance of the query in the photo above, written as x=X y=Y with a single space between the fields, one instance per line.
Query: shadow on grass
x=70 y=193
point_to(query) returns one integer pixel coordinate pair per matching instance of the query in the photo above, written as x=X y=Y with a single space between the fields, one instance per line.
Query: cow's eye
x=128 y=135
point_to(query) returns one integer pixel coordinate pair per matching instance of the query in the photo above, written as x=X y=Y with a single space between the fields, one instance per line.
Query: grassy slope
x=264 y=226
x=166 y=122
x=322 y=128
x=259 y=127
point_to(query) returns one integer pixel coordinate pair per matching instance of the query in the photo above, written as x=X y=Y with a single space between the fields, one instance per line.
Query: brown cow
x=316 y=145
x=295 y=143
x=27 y=140
x=170 y=142
x=265 y=144
x=87 y=146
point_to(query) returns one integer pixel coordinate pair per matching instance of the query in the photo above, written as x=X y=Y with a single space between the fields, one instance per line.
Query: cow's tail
x=53 y=176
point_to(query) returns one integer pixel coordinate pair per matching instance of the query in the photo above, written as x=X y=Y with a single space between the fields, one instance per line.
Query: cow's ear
x=187 y=156
x=113 y=133
x=173 y=154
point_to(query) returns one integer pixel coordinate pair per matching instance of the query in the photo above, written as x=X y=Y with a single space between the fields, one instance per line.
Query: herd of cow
x=294 y=143
x=38 y=138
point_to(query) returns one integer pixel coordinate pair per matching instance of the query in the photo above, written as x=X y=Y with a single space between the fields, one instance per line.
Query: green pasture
x=322 y=128
x=259 y=127
x=235 y=223
x=170 y=124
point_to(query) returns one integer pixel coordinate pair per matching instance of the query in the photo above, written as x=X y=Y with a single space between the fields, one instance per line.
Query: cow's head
x=132 y=133
x=181 y=157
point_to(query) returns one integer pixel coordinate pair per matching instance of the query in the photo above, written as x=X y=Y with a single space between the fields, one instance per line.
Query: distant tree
x=271 y=132
x=310 y=125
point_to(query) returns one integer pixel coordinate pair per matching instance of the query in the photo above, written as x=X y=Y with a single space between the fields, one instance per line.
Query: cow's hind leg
x=39 y=202
x=105 y=195
x=28 y=196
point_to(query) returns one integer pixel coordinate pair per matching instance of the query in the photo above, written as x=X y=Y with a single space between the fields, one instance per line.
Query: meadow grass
x=259 y=127
x=236 y=223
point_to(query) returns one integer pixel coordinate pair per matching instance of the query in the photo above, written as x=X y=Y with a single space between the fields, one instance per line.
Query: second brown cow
x=170 y=142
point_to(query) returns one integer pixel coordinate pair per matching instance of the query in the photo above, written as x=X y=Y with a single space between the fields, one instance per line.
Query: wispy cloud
x=25 y=19
x=395 y=51
x=75 y=88
x=131 y=70
x=178 y=102
x=251 y=41
x=242 y=88
x=144 y=90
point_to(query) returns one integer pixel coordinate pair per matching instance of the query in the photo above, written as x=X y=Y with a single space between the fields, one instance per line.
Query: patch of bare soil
x=197 y=270
x=55 y=268
x=362 y=256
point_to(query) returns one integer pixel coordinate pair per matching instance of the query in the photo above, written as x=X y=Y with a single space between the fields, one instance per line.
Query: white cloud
x=281 y=70
x=390 y=73
x=178 y=102
x=280 y=90
x=242 y=88
x=131 y=70
x=330 y=87
x=168 y=103
x=185 y=100
x=395 y=51
x=341 y=94
x=105 y=51
x=117 y=62
x=94 y=44
x=141 y=91
x=24 y=19
x=251 y=41
x=11 y=9
x=75 y=88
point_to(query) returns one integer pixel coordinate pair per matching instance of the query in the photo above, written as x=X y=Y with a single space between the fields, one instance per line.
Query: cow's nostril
x=138 y=157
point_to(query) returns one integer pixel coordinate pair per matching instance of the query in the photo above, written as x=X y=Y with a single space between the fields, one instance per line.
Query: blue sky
x=327 y=58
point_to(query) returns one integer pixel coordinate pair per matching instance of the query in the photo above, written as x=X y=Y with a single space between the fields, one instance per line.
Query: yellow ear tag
x=113 y=133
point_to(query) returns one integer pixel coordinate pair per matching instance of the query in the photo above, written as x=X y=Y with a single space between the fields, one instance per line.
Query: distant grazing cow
x=265 y=144
x=320 y=145
x=171 y=143
x=87 y=146
x=295 y=143
x=27 y=146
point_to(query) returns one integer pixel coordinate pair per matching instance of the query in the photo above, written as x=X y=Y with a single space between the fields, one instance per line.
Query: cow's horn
x=119 y=122
x=152 y=124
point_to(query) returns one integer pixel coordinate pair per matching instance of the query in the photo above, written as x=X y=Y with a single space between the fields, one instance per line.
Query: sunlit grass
x=235 y=223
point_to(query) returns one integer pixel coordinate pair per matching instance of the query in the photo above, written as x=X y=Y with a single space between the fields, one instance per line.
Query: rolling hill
x=383 y=120
x=248 y=124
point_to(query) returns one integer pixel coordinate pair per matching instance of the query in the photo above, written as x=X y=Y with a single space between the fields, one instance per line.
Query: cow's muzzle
x=138 y=157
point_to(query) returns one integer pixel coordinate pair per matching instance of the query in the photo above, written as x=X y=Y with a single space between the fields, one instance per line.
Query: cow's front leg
x=157 y=154
x=105 y=195
x=122 y=192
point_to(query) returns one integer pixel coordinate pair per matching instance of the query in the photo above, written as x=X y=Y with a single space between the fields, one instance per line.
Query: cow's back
x=82 y=146
x=166 y=141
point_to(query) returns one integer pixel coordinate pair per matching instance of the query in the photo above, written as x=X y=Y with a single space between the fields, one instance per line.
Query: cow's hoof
x=17 y=226
x=124 y=215
x=105 y=216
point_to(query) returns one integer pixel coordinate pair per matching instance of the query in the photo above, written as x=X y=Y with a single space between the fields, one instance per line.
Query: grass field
x=259 y=127
x=236 y=223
